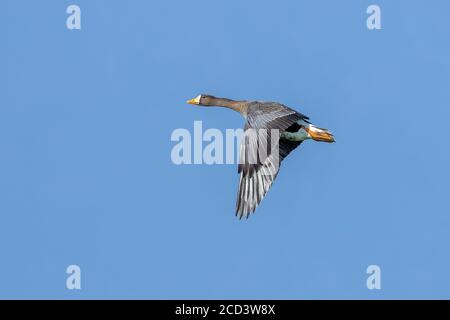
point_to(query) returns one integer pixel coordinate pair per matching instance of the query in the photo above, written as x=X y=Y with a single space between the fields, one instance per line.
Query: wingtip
x=242 y=214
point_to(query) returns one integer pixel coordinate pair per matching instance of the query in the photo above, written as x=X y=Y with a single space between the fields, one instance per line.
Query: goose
x=271 y=129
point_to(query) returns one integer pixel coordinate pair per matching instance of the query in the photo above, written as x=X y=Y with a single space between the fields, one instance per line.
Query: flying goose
x=276 y=130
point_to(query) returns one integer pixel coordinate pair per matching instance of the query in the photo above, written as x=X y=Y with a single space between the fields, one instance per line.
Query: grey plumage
x=257 y=178
x=272 y=132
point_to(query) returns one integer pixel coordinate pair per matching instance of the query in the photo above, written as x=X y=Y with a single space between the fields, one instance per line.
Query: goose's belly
x=300 y=135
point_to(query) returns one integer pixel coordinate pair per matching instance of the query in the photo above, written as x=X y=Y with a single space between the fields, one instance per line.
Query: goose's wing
x=257 y=174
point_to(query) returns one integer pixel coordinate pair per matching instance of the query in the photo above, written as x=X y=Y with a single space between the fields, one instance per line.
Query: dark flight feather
x=256 y=177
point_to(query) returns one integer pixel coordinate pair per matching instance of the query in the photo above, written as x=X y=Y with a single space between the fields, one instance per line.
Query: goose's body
x=278 y=130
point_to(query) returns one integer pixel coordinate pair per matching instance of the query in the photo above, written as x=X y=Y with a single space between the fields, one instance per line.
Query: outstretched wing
x=256 y=177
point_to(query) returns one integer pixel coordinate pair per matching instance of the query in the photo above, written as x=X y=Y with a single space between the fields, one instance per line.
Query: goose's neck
x=239 y=106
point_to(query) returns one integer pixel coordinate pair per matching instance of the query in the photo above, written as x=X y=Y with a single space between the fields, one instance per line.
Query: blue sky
x=86 y=176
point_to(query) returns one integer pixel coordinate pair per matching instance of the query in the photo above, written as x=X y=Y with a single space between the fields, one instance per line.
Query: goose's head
x=202 y=100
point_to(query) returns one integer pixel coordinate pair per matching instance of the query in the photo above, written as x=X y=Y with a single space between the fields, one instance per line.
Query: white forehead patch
x=197 y=99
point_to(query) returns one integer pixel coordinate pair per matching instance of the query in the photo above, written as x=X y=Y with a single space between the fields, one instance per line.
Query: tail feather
x=320 y=134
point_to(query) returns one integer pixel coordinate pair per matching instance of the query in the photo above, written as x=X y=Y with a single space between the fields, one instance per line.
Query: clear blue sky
x=85 y=170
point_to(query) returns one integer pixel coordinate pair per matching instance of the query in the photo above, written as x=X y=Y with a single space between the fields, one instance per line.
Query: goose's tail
x=320 y=134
